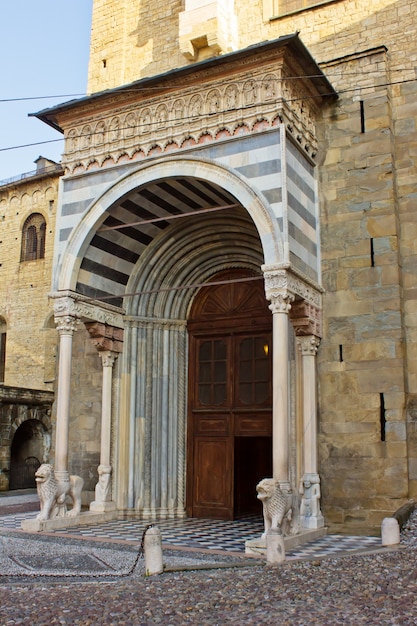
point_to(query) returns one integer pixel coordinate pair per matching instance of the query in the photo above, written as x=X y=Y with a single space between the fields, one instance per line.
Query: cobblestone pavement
x=373 y=589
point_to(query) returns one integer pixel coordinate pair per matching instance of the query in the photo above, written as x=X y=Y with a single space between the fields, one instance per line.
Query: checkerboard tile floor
x=206 y=534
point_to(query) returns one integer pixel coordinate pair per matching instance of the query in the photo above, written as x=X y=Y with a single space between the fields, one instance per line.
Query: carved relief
x=196 y=105
x=178 y=109
x=72 y=140
x=145 y=121
x=213 y=102
x=114 y=129
x=231 y=97
x=278 y=279
x=161 y=116
x=130 y=125
x=269 y=90
x=100 y=133
x=162 y=121
x=86 y=137
x=249 y=93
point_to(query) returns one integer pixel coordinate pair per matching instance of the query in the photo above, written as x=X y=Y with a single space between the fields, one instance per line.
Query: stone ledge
x=35 y=525
x=258 y=546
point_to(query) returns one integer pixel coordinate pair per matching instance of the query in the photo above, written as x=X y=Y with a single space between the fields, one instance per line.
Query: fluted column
x=310 y=513
x=66 y=323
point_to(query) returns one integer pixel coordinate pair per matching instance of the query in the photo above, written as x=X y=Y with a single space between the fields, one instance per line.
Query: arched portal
x=148 y=245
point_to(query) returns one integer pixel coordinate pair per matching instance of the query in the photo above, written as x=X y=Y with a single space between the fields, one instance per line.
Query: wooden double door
x=230 y=399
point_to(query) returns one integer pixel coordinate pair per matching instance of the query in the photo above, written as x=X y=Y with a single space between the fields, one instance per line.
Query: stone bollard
x=390 y=531
x=152 y=548
x=275 y=548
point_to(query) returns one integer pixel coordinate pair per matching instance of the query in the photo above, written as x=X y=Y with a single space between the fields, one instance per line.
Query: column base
x=102 y=507
x=311 y=522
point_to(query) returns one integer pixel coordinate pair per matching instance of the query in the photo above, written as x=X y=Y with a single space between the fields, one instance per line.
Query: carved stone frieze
x=215 y=110
x=69 y=303
x=283 y=279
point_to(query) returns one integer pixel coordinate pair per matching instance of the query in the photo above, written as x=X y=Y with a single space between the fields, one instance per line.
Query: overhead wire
x=167 y=218
x=231 y=110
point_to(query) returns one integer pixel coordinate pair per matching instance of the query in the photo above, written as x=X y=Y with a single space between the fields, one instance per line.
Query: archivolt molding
x=189 y=256
x=251 y=200
x=221 y=109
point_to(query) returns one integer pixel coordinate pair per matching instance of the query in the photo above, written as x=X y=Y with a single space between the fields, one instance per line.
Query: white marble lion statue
x=52 y=493
x=277 y=506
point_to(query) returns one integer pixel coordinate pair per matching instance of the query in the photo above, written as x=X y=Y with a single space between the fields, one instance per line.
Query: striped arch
x=109 y=242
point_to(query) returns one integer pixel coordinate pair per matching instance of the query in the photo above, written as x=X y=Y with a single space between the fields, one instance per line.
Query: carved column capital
x=277 y=289
x=66 y=325
x=108 y=357
x=308 y=345
x=280 y=302
x=65 y=316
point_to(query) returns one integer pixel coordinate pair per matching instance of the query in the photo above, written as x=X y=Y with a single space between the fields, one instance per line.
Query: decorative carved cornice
x=308 y=345
x=72 y=303
x=195 y=114
x=284 y=279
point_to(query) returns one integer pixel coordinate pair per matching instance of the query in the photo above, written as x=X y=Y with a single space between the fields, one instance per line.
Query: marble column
x=108 y=340
x=66 y=325
x=103 y=495
x=280 y=307
x=310 y=513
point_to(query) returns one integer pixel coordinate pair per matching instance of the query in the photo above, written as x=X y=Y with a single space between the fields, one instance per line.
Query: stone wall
x=24 y=285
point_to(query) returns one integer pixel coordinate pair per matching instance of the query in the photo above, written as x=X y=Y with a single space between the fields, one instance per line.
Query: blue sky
x=44 y=48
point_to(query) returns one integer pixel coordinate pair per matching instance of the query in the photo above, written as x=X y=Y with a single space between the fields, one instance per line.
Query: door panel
x=230 y=400
x=212 y=468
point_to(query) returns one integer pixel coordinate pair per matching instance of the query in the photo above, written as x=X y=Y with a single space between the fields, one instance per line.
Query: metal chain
x=93 y=576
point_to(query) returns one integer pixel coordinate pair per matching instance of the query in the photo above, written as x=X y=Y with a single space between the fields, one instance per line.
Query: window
x=33 y=238
x=2 y=348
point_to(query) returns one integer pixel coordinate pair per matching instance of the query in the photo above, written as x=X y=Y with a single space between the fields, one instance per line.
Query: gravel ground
x=375 y=589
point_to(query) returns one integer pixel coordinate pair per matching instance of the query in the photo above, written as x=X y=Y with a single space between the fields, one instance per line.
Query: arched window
x=3 y=329
x=33 y=238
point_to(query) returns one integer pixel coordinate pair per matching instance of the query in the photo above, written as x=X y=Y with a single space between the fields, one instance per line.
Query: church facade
x=234 y=266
